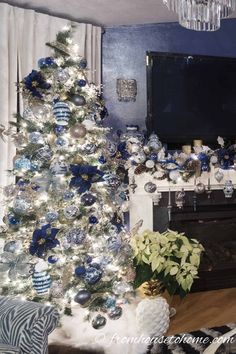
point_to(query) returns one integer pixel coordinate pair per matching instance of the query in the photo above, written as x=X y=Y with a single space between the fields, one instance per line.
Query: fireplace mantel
x=141 y=202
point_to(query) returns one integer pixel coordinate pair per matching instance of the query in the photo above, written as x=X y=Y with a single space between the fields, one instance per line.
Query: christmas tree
x=64 y=240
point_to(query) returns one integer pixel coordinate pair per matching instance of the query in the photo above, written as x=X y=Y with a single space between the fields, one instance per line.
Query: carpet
x=195 y=342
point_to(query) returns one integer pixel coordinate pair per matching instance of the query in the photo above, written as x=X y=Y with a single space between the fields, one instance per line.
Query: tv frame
x=185 y=139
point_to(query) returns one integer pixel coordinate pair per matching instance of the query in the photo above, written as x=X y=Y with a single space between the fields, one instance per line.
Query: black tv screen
x=191 y=97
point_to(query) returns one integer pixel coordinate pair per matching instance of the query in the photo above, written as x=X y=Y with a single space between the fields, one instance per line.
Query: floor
x=204 y=309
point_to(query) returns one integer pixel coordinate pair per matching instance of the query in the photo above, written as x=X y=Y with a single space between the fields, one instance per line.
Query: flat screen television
x=191 y=97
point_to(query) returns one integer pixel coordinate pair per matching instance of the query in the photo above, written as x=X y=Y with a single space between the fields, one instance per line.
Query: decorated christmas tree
x=64 y=240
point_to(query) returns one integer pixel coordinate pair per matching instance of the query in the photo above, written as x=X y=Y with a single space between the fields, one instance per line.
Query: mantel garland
x=152 y=157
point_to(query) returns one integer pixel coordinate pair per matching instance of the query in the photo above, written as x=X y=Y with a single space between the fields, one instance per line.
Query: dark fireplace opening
x=213 y=223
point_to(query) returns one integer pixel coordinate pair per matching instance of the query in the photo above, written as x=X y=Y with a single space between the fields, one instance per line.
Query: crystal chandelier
x=201 y=15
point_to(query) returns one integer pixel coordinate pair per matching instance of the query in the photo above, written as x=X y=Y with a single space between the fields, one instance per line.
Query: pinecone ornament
x=153 y=316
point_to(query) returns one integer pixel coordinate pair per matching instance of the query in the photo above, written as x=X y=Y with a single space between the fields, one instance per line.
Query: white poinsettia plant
x=170 y=257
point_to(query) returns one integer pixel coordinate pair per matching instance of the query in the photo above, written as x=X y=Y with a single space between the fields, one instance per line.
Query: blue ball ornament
x=61 y=142
x=45 y=62
x=52 y=259
x=92 y=275
x=82 y=297
x=88 y=199
x=102 y=159
x=88 y=259
x=93 y=220
x=81 y=83
x=13 y=220
x=83 y=63
x=60 y=129
x=80 y=271
x=62 y=113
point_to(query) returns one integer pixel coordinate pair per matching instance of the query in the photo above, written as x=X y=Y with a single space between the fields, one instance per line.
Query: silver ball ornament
x=78 y=100
x=99 y=322
x=115 y=313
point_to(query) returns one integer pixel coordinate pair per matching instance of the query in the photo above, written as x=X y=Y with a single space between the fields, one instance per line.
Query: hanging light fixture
x=201 y=15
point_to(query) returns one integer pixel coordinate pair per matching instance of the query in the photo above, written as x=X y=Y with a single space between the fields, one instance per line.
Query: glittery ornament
x=59 y=167
x=78 y=100
x=219 y=175
x=41 y=282
x=36 y=138
x=68 y=195
x=71 y=212
x=75 y=236
x=23 y=205
x=44 y=154
x=114 y=243
x=57 y=290
x=89 y=148
x=61 y=142
x=78 y=131
x=115 y=313
x=154 y=143
x=111 y=148
x=22 y=163
x=51 y=216
x=10 y=190
x=99 y=322
x=41 y=112
x=62 y=113
x=61 y=75
x=92 y=275
x=130 y=274
x=82 y=297
x=150 y=187
x=121 y=287
x=110 y=302
x=88 y=199
x=112 y=180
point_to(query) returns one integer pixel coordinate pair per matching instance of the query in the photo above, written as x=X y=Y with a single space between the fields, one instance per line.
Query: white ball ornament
x=150 y=164
x=174 y=175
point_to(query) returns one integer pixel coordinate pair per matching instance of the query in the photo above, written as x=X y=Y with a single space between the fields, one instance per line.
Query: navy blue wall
x=124 y=56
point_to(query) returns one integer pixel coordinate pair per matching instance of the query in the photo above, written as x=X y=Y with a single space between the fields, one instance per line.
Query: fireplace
x=213 y=222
